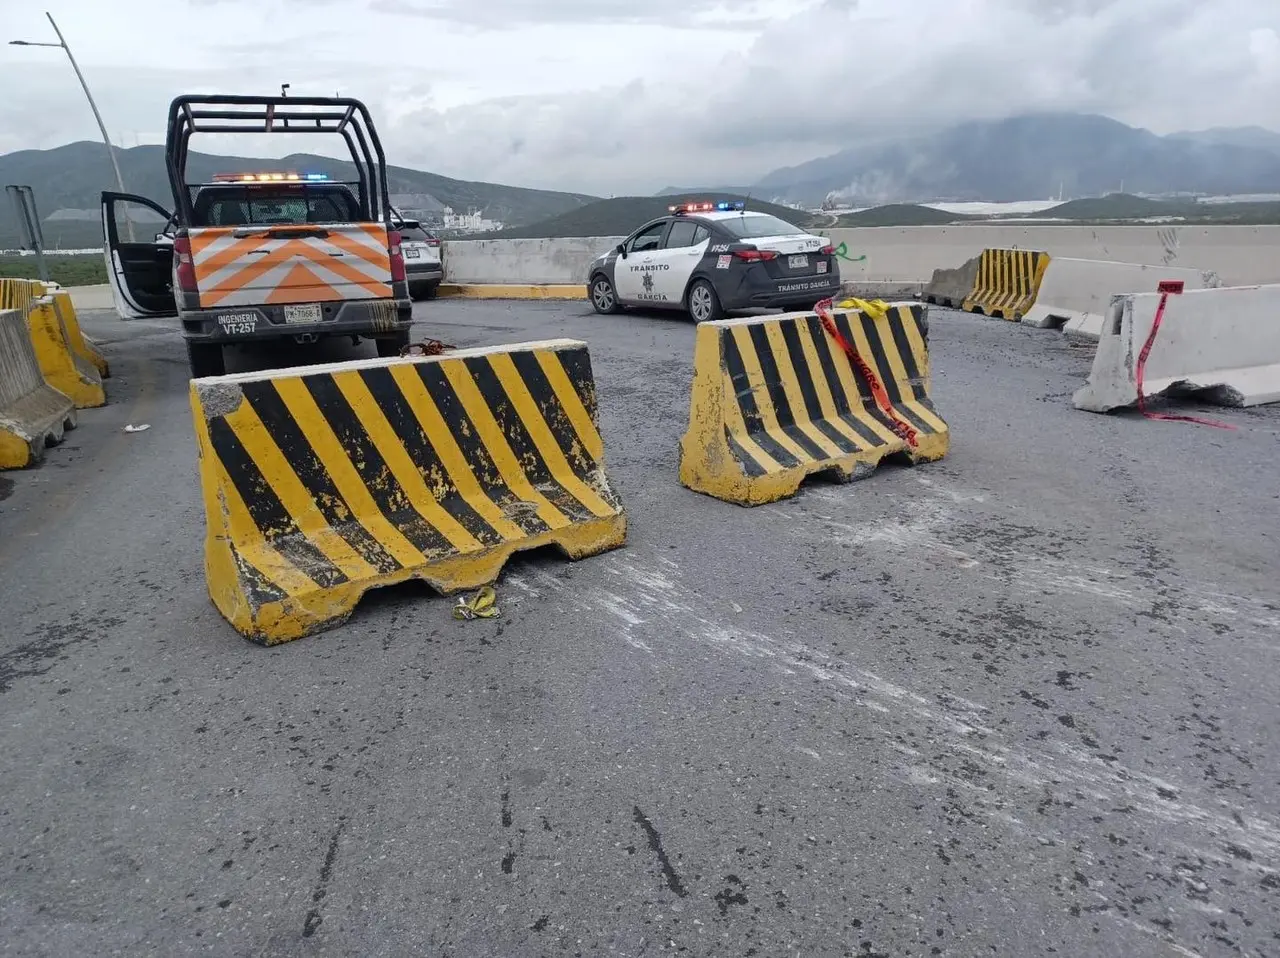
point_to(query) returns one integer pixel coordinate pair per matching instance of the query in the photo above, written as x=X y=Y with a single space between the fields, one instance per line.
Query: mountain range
x=1019 y=158
x=70 y=178
x=1032 y=157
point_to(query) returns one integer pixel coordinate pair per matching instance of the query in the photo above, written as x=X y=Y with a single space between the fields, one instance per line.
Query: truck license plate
x=799 y=262
x=307 y=313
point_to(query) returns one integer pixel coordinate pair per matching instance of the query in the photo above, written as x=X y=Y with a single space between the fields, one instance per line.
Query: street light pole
x=111 y=150
x=102 y=127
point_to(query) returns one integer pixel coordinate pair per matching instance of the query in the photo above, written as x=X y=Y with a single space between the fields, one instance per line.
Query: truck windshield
x=290 y=206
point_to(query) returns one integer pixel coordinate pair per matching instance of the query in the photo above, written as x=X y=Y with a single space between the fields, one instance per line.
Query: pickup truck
x=249 y=256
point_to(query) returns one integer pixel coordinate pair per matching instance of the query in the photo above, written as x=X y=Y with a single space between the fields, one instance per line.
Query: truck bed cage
x=345 y=116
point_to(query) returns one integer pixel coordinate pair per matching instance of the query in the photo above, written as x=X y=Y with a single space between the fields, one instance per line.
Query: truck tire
x=390 y=346
x=205 y=359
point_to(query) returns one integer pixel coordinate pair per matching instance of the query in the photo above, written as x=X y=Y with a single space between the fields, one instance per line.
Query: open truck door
x=137 y=239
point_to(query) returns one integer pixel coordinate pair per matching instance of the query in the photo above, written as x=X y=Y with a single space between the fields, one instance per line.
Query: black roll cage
x=345 y=116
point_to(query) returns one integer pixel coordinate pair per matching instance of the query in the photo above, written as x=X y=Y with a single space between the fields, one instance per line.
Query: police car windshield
x=757 y=224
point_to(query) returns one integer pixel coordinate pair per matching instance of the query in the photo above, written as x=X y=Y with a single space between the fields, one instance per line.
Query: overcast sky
x=609 y=96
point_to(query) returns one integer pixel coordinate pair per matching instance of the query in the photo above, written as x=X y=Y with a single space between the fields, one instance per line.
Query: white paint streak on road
x=652 y=599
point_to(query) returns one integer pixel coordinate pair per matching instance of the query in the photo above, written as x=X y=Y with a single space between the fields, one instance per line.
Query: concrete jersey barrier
x=951 y=287
x=87 y=298
x=776 y=399
x=884 y=260
x=80 y=344
x=64 y=368
x=1225 y=341
x=33 y=415
x=323 y=482
x=1006 y=283
x=1075 y=294
x=905 y=257
x=531 y=262
x=1239 y=255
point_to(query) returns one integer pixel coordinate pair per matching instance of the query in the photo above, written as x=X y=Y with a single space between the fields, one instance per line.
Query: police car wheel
x=603 y=296
x=703 y=303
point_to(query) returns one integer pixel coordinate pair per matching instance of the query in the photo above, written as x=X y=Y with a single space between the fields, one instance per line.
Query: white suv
x=422 y=266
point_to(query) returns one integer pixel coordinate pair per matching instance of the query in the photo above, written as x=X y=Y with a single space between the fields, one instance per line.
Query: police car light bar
x=721 y=207
x=268 y=177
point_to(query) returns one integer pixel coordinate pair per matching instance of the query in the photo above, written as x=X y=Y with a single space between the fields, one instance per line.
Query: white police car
x=708 y=258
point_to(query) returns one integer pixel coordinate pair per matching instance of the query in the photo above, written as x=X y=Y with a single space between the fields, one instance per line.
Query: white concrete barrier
x=91 y=297
x=1240 y=255
x=524 y=261
x=1226 y=341
x=905 y=257
x=1075 y=294
x=889 y=261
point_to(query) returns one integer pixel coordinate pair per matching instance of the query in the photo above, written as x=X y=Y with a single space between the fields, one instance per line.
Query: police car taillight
x=397 y=256
x=827 y=250
x=756 y=255
x=186 y=267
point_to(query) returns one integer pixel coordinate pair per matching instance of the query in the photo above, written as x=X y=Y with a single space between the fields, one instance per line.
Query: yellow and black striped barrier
x=321 y=483
x=1007 y=283
x=779 y=398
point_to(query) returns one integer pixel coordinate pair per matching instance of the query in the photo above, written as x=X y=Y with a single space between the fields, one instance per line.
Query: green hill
x=71 y=177
x=902 y=214
x=622 y=214
x=1120 y=208
x=1239 y=214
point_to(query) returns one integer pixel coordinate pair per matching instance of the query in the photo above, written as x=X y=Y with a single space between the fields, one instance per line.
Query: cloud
x=515 y=14
x=610 y=97
x=834 y=74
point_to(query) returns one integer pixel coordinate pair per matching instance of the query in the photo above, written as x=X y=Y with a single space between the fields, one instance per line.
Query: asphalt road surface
x=1020 y=702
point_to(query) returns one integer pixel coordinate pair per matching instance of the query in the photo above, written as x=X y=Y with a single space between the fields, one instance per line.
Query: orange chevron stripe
x=300 y=283
x=299 y=280
x=252 y=271
x=210 y=264
x=380 y=257
x=213 y=262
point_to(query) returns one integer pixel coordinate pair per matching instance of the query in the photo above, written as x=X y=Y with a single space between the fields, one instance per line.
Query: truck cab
x=278 y=254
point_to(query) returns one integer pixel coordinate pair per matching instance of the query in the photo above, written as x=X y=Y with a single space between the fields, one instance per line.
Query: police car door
x=685 y=245
x=633 y=274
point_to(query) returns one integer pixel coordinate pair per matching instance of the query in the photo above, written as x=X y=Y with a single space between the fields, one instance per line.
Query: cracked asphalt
x=1022 y=701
